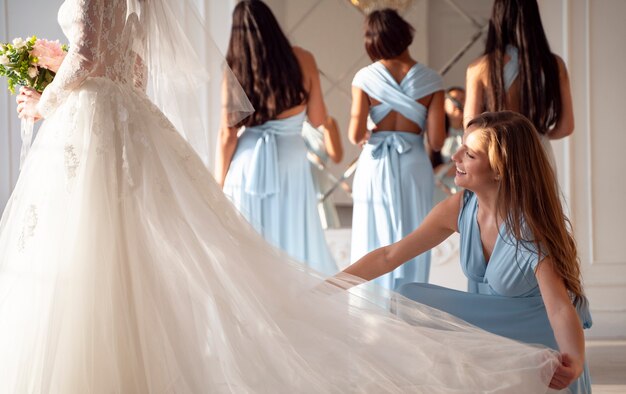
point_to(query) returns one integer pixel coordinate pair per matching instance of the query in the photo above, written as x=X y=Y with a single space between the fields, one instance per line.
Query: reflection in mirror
x=442 y=162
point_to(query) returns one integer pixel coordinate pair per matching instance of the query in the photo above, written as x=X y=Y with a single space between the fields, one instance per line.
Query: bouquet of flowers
x=32 y=63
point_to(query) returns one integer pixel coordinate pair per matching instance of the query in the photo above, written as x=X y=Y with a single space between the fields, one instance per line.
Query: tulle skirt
x=124 y=269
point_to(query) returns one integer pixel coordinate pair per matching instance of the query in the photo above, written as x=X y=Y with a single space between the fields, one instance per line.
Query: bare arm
x=316 y=109
x=565 y=124
x=332 y=139
x=474 y=91
x=357 y=130
x=227 y=143
x=436 y=227
x=436 y=122
x=565 y=323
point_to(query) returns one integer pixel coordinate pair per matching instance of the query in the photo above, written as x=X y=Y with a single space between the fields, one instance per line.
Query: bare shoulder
x=559 y=60
x=479 y=64
x=307 y=63
x=447 y=211
x=478 y=68
x=304 y=57
x=454 y=203
x=561 y=64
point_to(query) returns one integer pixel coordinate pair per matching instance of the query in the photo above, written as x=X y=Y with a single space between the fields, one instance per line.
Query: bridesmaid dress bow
x=386 y=144
x=263 y=178
x=388 y=148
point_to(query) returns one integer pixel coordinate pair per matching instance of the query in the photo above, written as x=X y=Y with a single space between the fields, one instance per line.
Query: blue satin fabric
x=511 y=68
x=270 y=182
x=392 y=192
x=378 y=83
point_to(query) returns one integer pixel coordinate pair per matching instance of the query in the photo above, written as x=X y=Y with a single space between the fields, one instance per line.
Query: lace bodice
x=102 y=35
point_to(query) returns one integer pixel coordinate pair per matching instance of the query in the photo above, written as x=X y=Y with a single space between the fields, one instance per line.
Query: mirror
x=447 y=38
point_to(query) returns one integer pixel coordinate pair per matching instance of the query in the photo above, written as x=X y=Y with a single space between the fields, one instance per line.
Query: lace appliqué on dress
x=99 y=47
x=28 y=229
x=71 y=162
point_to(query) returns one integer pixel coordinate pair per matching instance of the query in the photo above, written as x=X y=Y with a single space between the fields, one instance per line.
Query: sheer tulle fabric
x=187 y=76
x=124 y=269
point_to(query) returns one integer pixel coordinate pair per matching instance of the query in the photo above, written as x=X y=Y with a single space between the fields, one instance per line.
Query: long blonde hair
x=528 y=194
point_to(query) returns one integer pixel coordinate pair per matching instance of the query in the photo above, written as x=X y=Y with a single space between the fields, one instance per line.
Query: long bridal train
x=125 y=269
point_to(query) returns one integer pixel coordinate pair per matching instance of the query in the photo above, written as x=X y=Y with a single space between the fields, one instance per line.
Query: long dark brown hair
x=263 y=62
x=528 y=196
x=517 y=23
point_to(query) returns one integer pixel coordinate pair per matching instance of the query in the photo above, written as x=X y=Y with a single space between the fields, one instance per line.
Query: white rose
x=33 y=72
x=19 y=43
x=4 y=59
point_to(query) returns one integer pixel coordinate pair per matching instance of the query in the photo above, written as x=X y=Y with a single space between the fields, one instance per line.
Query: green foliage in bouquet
x=20 y=67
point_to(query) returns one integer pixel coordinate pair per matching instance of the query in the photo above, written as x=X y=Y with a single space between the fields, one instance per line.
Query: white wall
x=589 y=36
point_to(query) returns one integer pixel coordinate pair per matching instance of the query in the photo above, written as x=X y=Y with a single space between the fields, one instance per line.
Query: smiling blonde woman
x=517 y=250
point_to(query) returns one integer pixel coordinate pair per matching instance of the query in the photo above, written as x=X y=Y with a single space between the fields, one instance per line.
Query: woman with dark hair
x=393 y=185
x=519 y=72
x=517 y=249
x=264 y=170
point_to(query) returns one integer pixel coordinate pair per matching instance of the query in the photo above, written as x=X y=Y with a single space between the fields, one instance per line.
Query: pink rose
x=50 y=54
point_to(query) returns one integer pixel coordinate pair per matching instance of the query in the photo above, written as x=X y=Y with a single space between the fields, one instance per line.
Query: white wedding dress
x=124 y=269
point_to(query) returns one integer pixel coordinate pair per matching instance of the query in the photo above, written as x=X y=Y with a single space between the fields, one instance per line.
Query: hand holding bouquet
x=32 y=63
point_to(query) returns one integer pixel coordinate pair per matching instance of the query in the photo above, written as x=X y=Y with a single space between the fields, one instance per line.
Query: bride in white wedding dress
x=124 y=269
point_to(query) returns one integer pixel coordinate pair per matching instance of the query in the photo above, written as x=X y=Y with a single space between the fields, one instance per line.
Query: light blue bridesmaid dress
x=270 y=182
x=314 y=140
x=393 y=184
x=504 y=296
x=510 y=74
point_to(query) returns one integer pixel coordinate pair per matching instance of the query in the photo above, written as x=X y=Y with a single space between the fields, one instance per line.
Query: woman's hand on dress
x=567 y=371
x=27 y=102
